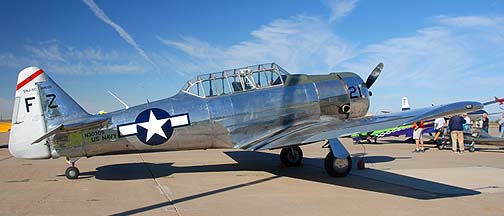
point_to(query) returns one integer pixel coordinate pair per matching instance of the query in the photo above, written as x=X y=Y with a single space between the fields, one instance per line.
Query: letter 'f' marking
x=28 y=104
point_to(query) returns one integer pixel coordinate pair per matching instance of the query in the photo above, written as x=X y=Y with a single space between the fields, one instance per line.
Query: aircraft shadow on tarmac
x=312 y=170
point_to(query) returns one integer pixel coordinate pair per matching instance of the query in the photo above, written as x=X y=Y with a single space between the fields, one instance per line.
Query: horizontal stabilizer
x=74 y=126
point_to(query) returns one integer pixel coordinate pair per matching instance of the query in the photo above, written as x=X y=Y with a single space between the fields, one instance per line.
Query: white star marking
x=153 y=126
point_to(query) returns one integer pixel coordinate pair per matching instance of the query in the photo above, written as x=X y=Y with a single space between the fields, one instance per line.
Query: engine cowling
x=342 y=94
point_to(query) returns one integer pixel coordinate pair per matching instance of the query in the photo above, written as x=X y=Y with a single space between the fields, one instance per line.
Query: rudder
x=405 y=104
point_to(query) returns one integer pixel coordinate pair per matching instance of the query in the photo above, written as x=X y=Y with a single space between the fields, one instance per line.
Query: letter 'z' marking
x=51 y=103
x=153 y=126
x=28 y=104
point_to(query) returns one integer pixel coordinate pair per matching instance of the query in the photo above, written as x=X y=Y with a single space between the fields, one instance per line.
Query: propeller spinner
x=374 y=75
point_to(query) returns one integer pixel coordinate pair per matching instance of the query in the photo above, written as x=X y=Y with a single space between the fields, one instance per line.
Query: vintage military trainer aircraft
x=253 y=108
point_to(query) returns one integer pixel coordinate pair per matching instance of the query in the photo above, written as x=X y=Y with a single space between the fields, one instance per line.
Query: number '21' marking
x=355 y=91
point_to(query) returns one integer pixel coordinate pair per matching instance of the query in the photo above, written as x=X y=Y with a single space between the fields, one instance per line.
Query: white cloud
x=303 y=44
x=300 y=44
x=431 y=51
x=50 y=53
x=458 y=58
x=469 y=21
x=440 y=52
x=124 y=35
x=57 y=57
x=340 y=8
x=9 y=60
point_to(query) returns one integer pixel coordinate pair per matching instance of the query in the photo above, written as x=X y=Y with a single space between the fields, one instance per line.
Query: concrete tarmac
x=231 y=182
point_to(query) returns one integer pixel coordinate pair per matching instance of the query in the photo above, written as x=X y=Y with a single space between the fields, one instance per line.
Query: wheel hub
x=340 y=163
x=293 y=156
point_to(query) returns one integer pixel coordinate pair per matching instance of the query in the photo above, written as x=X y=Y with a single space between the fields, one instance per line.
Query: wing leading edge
x=331 y=128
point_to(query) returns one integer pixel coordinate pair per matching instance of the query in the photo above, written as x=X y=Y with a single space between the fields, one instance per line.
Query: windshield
x=236 y=80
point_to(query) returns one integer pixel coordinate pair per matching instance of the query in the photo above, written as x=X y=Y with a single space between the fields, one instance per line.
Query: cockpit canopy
x=236 y=80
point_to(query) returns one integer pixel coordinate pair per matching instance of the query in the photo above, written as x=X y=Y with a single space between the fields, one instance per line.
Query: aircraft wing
x=330 y=128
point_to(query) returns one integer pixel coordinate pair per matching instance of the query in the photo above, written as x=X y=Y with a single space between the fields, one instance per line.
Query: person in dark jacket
x=501 y=126
x=484 y=121
x=456 y=125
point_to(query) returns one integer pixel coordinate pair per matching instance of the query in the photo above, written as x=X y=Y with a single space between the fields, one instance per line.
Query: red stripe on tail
x=28 y=79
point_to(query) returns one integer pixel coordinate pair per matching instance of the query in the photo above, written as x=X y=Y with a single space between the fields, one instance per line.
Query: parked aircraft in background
x=407 y=130
x=402 y=130
x=475 y=135
x=260 y=107
x=5 y=127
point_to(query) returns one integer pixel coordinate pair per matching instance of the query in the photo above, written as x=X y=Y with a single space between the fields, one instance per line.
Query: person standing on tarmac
x=467 y=125
x=439 y=125
x=456 y=125
x=484 y=122
x=501 y=126
x=417 y=136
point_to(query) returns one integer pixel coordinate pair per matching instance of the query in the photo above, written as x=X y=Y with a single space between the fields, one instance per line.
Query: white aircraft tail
x=40 y=105
x=405 y=104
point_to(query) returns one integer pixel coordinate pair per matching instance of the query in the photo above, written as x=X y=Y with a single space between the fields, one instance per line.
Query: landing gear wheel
x=440 y=147
x=72 y=172
x=472 y=149
x=291 y=156
x=337 y=167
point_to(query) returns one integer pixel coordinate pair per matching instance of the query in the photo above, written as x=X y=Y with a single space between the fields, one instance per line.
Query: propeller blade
x=374 y=75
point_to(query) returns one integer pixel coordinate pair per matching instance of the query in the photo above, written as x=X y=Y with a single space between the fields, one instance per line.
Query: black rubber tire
x=72 y=173
x=472 y=149
x=291 y=158
x=330 y=163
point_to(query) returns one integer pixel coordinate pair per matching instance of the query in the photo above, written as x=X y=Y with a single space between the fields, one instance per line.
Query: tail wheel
x=291 y=156
x=72 y=172
x=337 y=167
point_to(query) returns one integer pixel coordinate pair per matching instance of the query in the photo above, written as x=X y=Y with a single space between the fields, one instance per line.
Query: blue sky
x=433 y=51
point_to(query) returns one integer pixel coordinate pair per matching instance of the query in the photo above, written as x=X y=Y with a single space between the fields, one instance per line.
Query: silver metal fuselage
x=236 y=120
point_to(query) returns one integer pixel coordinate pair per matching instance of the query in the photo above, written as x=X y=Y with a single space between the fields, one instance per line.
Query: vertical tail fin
x=405 y=104
x=40 y=105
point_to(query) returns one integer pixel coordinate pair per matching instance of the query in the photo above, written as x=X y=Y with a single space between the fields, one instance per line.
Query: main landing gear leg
x=72 y=172
x=338 y=161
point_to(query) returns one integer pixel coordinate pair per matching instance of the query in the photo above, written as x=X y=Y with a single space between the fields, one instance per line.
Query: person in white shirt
x=467 y=125
x=439 y=125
